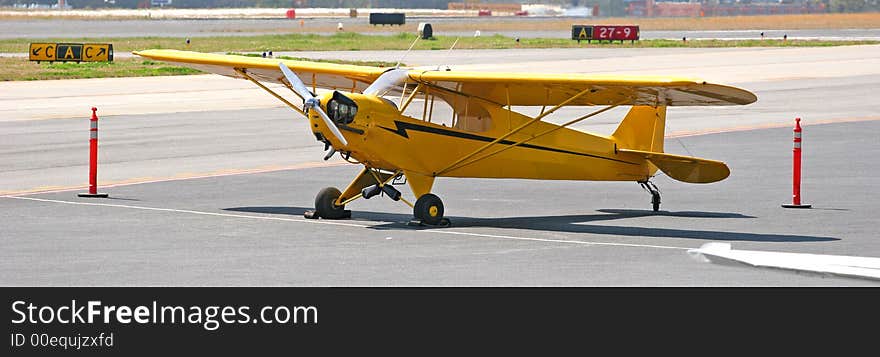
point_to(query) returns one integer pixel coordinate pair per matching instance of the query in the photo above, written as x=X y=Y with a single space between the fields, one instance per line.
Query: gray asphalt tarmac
x=46 y=154
x=221 y=192
x=249 y=230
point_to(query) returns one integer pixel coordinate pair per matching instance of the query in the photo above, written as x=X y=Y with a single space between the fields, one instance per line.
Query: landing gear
x=655 y=193
x=428 y=210
x=325 y=205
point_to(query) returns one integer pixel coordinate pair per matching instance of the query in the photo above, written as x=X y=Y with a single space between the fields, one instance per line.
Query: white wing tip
x=711 y=248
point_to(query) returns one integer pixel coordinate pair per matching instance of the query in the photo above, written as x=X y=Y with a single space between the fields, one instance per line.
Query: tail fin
x=642 y=129
x=641 y=132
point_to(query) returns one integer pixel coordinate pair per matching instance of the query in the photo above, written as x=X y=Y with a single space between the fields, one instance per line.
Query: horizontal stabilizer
x=685 y=168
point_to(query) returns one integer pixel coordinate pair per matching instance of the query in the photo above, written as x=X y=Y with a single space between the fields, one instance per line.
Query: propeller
x=310 y=101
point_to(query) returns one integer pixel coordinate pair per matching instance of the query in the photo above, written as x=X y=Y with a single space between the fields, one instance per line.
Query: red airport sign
x=616 y=33
x=604 y=33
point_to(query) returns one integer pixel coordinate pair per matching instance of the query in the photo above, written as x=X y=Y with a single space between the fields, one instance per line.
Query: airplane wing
x=536 y=89
x=820 y=264
x=314 y=74
x=520 y=89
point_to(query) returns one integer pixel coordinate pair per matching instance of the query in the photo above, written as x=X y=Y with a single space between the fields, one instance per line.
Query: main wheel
x=325 y=205
x=429 y=208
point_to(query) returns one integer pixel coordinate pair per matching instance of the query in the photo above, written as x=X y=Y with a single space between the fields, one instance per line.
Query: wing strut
x=410 y=97
x=244 y=73
x=514 y=131
x=600 y=111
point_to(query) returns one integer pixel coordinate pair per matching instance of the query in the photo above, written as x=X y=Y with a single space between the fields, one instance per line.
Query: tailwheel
x=325 y=205
x=429 y=210
x=655 y=194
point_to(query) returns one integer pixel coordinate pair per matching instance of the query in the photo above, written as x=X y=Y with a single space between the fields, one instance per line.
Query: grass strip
x=20 y=69
x=349 y=41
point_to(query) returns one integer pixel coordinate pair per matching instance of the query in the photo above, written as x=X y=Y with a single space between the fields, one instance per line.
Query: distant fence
x=697 y=10
x=730 y=10
x=500 y=7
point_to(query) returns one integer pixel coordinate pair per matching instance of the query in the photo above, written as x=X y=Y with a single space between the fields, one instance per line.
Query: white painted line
x=553 y=240
x=231 y=215
x=337 y=223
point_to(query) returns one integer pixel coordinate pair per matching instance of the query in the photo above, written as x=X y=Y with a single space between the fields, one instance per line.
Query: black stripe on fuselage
x=402 y=127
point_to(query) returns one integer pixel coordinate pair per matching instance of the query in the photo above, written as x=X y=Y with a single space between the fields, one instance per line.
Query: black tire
x=655 y=201
x=429 y=208
x=417 y=208
x=324 y=204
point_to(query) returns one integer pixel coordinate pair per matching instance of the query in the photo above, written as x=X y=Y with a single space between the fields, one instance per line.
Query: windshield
x=341 y=109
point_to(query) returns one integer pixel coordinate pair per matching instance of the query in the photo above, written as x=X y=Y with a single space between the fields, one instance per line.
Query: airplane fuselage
x=380 y=136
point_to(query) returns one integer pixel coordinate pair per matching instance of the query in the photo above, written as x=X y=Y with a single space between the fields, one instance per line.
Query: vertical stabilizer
x=642 y=129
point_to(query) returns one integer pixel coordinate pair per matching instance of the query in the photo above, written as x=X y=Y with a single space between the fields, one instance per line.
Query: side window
x=332 y=107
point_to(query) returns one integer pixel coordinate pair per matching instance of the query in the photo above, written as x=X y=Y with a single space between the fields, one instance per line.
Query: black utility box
x=387 y=18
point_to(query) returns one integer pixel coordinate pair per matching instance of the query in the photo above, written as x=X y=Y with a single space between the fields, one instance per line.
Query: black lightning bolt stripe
x=402 y=127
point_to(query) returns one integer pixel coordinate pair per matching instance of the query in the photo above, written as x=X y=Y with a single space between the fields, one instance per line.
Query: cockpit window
x=341 y=109
x=331 y=108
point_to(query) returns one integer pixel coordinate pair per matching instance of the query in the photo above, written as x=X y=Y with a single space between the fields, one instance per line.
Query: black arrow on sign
x=37 y=51
x=102 y=51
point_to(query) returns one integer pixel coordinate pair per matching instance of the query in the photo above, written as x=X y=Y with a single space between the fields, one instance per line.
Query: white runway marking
x=336 y=223
x=555 y=240
x=231 y=215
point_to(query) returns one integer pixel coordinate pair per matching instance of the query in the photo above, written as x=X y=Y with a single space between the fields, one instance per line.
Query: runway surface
x=249 y=229
x=193 y=28
x=214 y=196
x=158 y=127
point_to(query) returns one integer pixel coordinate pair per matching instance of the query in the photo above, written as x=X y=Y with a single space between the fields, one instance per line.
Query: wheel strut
x=655 y=193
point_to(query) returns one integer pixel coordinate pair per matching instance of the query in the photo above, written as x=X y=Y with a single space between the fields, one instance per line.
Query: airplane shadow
x=299 y=211
x=122 y=198
x=571 y=224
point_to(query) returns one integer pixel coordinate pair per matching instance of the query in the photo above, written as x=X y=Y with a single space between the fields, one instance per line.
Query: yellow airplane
x=480 y=135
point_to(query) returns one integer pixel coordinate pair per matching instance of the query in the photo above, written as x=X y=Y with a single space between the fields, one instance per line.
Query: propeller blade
x=298 y=86
x=310 y=101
